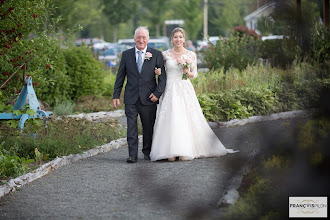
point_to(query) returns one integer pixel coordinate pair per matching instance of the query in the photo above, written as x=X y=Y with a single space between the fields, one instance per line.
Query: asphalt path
x=106 y=187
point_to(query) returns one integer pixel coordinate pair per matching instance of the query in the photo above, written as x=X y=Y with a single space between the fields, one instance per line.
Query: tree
x=229 y=14
x=73 y=12
x=118 y=11
x=192 y=13
x=153 y=14
x=24 y=39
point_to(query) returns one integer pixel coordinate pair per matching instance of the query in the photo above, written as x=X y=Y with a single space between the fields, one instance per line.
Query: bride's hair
x=178 y=29
x=141 y=28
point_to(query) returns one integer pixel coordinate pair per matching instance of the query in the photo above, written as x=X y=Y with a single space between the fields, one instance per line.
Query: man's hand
x=116 y=102
x=153 y=98
x=158 y=71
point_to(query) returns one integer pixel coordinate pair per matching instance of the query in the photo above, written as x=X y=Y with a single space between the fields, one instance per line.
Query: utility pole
x=205 y=28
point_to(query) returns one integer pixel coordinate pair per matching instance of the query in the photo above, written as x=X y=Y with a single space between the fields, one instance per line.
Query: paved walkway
x=106 y=187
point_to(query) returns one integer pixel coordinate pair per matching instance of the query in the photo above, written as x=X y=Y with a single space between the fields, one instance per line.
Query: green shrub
x=52 y=84
x=280 y=52
x=26 y=35
x=258 y=101
x=109 y=83
x=320 y=43
x=10 y=164
x=64 y=108
x=85 y=73
x=235 y=51
x=216 y=81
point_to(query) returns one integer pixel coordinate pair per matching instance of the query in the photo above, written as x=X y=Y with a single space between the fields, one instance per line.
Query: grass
x=60 y=138
x=216 y=81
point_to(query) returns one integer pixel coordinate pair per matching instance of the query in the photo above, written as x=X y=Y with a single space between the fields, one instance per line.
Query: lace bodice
x=173 y=71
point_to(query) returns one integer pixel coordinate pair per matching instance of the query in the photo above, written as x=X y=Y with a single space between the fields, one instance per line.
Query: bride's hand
x=158 y=71
x=187 y=71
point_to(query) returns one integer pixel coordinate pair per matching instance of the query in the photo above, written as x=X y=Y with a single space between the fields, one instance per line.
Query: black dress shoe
x=146 y=157
x=131 y=160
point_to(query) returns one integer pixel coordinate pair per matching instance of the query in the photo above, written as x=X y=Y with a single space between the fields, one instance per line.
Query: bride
x=180 y=128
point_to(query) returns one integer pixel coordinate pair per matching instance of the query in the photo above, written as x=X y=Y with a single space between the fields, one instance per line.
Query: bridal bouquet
x=184 y=62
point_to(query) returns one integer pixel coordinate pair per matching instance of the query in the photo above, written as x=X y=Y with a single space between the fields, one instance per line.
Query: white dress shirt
x=143 y=55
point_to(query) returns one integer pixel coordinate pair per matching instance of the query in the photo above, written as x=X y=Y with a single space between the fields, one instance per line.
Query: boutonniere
x=148 y=56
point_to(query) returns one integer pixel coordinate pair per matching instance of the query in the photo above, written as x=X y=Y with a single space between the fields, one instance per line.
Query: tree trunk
x=157 y=30
x=115 y=34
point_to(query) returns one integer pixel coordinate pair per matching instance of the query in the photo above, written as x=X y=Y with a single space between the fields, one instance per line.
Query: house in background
x=251 y=20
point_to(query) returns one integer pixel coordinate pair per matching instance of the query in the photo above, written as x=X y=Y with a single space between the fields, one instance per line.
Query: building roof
x=259 y=11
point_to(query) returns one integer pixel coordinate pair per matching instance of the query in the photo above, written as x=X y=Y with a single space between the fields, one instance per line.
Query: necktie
x=139 y=61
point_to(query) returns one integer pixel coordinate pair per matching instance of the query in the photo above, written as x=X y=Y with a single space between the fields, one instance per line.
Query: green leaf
x=17 y=112
x=31 y=112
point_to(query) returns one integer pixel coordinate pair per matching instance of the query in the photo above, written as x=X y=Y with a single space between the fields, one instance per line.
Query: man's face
x=141 y=39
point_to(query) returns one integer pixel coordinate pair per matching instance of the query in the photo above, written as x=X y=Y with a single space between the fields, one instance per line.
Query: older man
x=141 y=92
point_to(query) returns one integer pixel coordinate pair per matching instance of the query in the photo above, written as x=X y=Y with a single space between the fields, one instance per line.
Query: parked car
x=272 y=37
x=88 y=41
x=202 y=45
x=121 y=47
x=161 y=43
x=106 y=53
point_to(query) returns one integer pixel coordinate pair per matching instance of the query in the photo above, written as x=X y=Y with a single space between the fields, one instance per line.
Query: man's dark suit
x=136 y=98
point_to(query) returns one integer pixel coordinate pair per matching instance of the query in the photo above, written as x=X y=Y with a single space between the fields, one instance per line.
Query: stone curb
x=254 y=119
x=56 y=163
x=98 y=115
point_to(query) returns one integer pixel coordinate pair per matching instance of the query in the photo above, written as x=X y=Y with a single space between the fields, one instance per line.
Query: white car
x=161 y=43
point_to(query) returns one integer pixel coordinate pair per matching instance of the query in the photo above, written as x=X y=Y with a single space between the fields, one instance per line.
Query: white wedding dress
x=180 y=128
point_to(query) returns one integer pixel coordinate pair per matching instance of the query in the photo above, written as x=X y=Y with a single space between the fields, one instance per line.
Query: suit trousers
x=148 y=115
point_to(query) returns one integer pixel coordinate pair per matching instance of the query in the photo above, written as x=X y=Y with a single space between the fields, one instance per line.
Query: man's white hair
x=141 y=28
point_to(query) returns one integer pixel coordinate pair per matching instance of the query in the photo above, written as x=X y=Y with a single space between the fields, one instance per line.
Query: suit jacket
x=140 y=85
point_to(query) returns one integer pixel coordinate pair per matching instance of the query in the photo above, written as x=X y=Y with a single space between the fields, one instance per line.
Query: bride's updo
x=178 y=29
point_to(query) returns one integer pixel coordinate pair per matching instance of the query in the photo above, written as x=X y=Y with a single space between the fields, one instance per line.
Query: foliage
x=118 y=12
x=312 y=137
x=85 y=73
x=235 y=51
x=257 y=76
x=239 y=103
x=192 y=14
x=10 y=164
x=90 y=103
x=260 y=90
x=280 y=52
x=242 y=31
x=72 y=13
x=153 y=15
x=61 y=137
x=226 y=15
x=284 y=16
x=52 y=85
x=273 y=179
x=320 y=43
x=64 y=108
x=23 y=38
